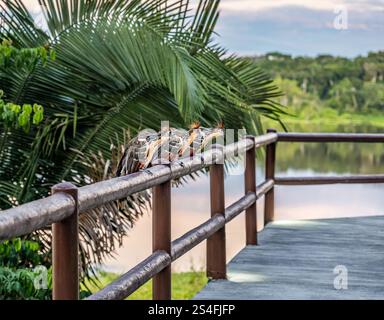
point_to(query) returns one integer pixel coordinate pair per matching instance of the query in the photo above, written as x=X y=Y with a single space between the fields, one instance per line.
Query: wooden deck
x=296 y=260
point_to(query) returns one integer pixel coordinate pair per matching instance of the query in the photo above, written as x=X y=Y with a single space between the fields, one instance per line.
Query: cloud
x=304 y=18
x=299 y=30
x=253 y=6
x=299 y=27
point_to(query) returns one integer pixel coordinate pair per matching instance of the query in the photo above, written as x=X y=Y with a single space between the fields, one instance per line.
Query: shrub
x=24 y=284
x=17 y=253
x=24 y=271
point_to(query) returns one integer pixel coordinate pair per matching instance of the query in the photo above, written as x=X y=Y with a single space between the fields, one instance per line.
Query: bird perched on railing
x=167 y=145
x=103 y=226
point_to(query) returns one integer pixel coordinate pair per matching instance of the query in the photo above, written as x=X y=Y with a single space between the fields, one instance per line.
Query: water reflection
x=190 y=205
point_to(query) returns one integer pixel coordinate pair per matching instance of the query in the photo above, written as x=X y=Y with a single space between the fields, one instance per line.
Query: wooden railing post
x=65 y=250
x=161 y=237
x=216 y=247
x=269 y=205
x=250 y=186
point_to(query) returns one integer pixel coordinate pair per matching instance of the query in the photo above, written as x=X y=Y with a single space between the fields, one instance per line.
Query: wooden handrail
x=214 y=228
x=248 y=200
x=35 y=215
x=64 y=205
x=134 y=278
x=299 y=181
x=330 y=137
x=156 y=262
x=62 y=208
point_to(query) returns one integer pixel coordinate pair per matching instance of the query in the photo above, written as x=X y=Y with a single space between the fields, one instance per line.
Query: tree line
x=327 y=84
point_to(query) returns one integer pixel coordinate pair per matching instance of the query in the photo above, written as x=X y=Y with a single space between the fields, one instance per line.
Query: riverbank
x=185 y=285
x=328 y=123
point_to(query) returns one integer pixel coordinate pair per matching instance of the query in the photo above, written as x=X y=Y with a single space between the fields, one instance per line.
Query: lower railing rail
x=157 y=261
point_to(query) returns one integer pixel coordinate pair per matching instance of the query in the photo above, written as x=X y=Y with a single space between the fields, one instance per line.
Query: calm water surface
x=190 y=203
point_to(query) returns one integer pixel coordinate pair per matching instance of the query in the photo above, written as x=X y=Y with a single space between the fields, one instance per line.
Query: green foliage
x=18 y=272
x=19 y=284
x=329 y=83
x=11 y=56
x=17 y=116
x=17 y=253
x=18 y=258
x=372 y=95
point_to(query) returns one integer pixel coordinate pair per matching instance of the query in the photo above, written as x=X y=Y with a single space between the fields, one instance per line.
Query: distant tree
x=372 y=94
x=344 y=85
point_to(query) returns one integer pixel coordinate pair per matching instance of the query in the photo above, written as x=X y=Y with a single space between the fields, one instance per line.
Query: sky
x=302 y=27
x=299 y=27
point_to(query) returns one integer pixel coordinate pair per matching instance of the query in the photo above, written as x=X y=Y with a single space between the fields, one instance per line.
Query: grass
x=184 y=285
x=377 y=121
x=328 y=123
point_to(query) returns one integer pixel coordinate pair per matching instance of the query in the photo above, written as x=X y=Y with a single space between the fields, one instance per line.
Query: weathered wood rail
x=62 y=208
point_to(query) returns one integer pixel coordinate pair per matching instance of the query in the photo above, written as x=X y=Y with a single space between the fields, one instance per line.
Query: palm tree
x=120 y=66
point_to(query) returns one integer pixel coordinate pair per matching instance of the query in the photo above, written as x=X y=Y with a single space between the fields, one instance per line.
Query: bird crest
x=195 y=125
x=220 y=125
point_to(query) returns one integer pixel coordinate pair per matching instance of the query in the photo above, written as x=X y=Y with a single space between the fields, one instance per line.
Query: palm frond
x=121 y=65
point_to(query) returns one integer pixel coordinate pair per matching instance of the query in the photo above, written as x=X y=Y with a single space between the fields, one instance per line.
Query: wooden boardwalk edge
x=339 y=258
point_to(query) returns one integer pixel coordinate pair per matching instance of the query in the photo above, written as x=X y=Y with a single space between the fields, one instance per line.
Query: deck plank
x=296 y=260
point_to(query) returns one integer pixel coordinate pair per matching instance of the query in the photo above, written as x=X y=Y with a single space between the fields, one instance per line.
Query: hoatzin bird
x=169 y=144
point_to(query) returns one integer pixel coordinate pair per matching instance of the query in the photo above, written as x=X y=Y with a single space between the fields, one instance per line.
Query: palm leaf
x=121 y=65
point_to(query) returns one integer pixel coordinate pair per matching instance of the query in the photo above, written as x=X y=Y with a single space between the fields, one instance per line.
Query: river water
x=190 y=203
